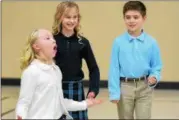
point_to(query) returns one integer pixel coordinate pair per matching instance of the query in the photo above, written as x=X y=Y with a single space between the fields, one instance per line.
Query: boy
x=135 y=66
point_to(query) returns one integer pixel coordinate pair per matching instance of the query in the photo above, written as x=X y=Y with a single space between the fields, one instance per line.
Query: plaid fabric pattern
x=63 y=117
x=74 y=90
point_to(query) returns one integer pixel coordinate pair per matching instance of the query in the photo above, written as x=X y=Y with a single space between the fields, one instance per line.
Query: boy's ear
x=145 y=17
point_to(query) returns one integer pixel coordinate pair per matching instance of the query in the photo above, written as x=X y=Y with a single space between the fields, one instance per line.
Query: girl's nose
x=72 y=20
x=53 y=40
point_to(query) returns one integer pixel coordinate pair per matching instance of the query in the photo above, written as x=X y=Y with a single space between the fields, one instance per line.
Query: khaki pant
x=135 y=96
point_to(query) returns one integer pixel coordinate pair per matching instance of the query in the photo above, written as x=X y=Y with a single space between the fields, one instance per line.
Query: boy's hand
x=19 y=118
x=91 y=95
x=115 y=101
x=152 y=80
x=92 y=102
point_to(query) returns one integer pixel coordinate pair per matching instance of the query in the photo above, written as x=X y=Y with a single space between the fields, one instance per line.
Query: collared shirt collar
x=140 y=37
x=43 y=65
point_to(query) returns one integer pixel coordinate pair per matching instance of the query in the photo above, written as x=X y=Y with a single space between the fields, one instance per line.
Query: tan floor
x=165 y=104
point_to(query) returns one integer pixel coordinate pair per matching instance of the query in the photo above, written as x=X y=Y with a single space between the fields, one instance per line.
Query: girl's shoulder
x=34 y=68
x=84 y=40
x=30 y=71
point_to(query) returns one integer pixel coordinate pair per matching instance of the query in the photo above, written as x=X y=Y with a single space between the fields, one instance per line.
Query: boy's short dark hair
x=135 y=5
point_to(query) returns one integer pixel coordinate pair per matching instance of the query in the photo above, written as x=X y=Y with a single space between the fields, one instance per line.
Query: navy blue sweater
x=70 y=52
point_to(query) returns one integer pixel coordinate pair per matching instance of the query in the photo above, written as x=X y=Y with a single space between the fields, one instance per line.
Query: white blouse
x=41 y=95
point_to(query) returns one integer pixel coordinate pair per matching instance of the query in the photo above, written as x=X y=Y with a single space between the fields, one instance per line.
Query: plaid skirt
x=74 y=90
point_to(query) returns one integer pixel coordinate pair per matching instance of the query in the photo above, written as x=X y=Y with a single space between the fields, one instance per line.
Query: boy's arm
x=155 y=63
x=114 y=74
x=28 y=84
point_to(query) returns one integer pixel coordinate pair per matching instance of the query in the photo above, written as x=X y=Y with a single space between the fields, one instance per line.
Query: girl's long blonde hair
x=28 y=54
x=60 y=10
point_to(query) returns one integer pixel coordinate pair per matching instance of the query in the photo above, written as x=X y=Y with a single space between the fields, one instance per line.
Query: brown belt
x=125 y=79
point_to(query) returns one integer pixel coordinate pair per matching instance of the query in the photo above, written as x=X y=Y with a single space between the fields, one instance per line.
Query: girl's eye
x=68 y=17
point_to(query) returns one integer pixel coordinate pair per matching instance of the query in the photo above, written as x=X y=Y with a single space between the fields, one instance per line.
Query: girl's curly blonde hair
x=28 y=54
x=60 y=10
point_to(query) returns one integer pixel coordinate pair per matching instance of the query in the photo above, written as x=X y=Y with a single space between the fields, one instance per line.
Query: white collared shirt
x=41 y=95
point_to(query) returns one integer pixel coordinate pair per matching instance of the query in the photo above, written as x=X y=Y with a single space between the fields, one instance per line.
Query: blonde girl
x=41 y=95
x=72 y=48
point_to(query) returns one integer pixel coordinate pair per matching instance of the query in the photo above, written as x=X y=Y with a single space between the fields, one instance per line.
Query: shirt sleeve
x=94 y=74
x=28 y=84
x=114 y=74
x=72 y=105
x=156 y=62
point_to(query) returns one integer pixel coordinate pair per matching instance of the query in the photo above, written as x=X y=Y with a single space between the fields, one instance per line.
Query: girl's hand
x=91 y=95
x=92 y=102
x=19 y=117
